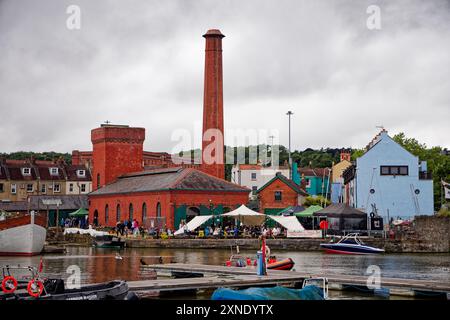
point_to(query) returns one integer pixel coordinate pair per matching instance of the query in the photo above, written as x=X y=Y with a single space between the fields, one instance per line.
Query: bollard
x=260 y=266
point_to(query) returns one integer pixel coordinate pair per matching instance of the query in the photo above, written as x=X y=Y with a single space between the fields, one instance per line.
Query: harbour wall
x=428 y=234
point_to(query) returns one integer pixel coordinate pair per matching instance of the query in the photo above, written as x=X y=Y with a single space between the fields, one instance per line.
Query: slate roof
x=168 y=179
x=12 y=170
x=314 y=172
x=68 y=202
x=287 y=181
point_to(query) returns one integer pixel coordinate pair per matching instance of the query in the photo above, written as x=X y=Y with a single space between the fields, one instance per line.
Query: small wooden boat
x=109 y=241
x=350 y=244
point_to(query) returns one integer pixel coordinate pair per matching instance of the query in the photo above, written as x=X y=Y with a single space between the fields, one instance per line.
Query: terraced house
x=20 y=179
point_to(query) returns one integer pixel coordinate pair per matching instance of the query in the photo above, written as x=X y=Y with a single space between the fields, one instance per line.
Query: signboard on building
x=305 y=234
x=446 y=189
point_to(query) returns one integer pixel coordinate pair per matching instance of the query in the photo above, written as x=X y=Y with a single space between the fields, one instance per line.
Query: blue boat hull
x=343 y=248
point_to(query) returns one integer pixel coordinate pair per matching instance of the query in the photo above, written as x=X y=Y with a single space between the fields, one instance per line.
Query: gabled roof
x=291 y=184
x=314 y=172
x=168 y=179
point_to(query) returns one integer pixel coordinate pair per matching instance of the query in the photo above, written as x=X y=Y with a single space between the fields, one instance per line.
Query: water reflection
x=99 y=265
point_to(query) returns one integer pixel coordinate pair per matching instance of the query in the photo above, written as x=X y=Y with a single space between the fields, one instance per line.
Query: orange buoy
x=40 y=287
x=14 y=282
x=228 y=263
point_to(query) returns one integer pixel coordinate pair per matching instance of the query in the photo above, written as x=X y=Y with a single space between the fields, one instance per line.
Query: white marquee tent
x=289 y=222
x=193 y=224
x=247 y=216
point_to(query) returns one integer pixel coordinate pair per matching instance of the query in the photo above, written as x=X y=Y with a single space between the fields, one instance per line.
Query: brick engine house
x=130 y=183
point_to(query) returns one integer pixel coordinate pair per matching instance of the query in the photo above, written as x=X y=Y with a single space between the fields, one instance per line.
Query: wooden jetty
x=215 y=276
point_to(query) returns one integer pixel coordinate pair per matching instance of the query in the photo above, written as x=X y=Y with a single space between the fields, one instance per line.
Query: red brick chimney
x=345 y=155
x=213 y=139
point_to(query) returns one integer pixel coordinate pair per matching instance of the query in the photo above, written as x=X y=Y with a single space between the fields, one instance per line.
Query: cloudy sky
x=141 y=63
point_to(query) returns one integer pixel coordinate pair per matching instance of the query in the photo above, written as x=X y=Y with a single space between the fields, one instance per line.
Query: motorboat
x=33 y=287
x=108 y=241
x=22 y=234
x=350 y=244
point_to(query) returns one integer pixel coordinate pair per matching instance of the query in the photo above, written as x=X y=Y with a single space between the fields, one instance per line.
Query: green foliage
x=444 y=212
x=356 y=153
x=23 y=155
x=316 y=201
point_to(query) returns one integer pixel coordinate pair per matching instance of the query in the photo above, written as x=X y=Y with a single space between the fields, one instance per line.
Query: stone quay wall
x=428 y=234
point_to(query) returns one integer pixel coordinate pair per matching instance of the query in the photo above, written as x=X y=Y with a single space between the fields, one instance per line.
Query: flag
x=41 y=266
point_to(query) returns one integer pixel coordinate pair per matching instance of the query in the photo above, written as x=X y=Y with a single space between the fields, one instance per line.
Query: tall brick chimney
x=117 y=150
x=213 y=134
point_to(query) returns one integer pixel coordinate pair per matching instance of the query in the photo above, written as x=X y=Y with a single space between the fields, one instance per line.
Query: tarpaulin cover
x=310 y=292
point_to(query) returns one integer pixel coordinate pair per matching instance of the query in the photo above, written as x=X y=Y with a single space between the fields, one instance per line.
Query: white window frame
x=70 y=187
x=83 y=187
x=13 y=188
x=28 y=173
x=32 y=187
x=57 y=188
x=54 y=171
x=81 y=173
x=251 y=176
x=43 y=188
x=308 y=182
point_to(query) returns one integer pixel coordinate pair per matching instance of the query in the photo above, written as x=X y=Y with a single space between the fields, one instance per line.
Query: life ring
x=30 y=288
x=267 y=251
x=14 y=282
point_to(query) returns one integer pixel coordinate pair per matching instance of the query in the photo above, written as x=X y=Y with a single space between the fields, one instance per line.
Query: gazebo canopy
x=246 y=216
x=289 y=211
x=79 y=213
x=340 y=210
x=308 y=212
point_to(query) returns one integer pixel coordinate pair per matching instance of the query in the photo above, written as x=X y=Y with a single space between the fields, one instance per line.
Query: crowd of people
x=75 y=222
x=233 y=231
x=129 y=227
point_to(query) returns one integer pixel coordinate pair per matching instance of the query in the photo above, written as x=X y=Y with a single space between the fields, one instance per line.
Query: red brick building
x=280 y=193
x=165 y=196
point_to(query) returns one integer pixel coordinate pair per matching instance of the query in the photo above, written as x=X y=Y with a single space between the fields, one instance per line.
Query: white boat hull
x=24 y=240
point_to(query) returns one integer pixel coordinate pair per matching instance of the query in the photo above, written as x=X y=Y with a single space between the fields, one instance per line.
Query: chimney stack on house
x=213 y=128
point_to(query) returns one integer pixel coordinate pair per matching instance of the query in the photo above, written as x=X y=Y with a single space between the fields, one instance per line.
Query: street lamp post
x=289 y=113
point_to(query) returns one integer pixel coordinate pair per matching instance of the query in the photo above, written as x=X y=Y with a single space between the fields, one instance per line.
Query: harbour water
x=99 y=265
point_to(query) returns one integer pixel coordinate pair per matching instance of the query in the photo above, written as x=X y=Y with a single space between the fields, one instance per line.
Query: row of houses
x=386 y=181
x=20 y=179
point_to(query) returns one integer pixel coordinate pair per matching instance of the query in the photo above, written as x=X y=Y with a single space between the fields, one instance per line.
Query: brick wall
x=267 y=196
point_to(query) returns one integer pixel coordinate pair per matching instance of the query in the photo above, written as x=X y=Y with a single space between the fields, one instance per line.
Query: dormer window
x=81 y=173
x=26 y=171
x=54 y=171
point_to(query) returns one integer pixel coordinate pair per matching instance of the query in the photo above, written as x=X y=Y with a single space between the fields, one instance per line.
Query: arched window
x=98 y=180
x=144 y=212
x=158 y=209
x=95 y=217
x=118 y=213
x=106 y=214
x=131 y=211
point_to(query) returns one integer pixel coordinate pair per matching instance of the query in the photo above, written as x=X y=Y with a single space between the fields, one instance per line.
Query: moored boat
x=109 y=241
x=22 y=235
x=350 y=244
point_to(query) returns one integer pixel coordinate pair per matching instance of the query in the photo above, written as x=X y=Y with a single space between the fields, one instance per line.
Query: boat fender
x=249 y=261
x=30 y=289
x=267 y=251
x=14 y=283
x=372 y=215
